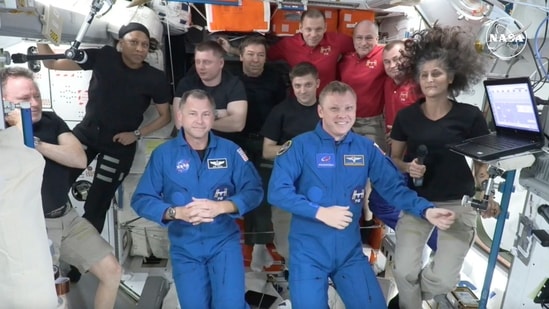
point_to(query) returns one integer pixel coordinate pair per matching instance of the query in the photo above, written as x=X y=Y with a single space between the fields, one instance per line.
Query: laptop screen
x=513 y=105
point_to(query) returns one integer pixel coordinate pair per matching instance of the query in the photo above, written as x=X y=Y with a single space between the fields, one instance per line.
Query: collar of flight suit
x=212 y=140
x=324 y=136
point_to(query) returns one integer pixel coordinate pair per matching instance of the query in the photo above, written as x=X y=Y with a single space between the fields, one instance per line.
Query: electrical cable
x=546 y=24
x=538 y=57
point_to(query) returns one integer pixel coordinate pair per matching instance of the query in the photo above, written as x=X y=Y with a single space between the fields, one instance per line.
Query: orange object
x=332 y=18
x=285 y=23
x=349 y=18
x=250 y=15
x=373 y=257
x=376 y=235
x=62 y=286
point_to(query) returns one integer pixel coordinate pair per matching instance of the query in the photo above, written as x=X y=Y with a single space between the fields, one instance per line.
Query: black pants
x=113 y=165
x=258 y=227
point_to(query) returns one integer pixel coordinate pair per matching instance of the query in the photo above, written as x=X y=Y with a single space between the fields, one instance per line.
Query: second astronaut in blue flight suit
x=197 y=184
x=320 y=177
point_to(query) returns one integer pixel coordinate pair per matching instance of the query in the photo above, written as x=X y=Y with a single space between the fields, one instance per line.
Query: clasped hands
x=198 y=211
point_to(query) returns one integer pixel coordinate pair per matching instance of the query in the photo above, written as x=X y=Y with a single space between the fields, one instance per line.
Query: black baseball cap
x=132 y=27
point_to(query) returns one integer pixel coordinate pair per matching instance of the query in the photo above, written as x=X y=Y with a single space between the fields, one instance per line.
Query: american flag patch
x=242 y=154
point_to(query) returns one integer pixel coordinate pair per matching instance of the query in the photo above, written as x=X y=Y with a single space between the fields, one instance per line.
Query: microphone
x=422 y=153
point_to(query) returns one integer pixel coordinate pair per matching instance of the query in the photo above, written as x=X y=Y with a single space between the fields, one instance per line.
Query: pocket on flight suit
x=316 y=194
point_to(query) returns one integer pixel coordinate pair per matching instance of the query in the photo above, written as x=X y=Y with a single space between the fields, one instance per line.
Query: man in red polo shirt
x=363 y=71
x=399 y=92
x=313 y=44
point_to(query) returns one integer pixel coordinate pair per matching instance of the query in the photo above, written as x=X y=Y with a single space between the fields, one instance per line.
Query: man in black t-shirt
x=295 y=115
x=265 y=88
x=264 y=85
x=288 y=119
x=74 y=239
x=226 y=89
x=121 y=89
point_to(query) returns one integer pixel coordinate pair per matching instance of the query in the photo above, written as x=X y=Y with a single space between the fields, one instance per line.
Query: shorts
x=76 y=241
x=373 y=128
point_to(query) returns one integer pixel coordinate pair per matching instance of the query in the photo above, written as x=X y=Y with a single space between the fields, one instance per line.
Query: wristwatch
x=137 y=134
x=37 y=141
x=171 y=213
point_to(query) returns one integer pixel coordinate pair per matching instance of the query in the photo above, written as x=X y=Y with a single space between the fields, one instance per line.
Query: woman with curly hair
x=443 y=62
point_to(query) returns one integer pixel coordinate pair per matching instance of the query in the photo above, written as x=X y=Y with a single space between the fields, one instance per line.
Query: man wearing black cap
x=121 y=89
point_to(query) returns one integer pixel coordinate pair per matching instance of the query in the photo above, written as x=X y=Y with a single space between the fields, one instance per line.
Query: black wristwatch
x=171 y=213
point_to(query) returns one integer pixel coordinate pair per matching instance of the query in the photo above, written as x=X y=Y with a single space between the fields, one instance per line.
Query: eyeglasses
x=134 y=44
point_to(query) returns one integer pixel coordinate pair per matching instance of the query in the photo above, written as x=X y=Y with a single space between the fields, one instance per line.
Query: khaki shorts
x=76 y=241
x=373 y=128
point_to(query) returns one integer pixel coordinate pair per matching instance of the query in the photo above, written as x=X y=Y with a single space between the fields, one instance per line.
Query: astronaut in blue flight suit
x=320 y=177
x=197 y=184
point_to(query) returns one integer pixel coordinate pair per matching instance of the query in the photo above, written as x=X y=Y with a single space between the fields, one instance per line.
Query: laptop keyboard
x=501 y=143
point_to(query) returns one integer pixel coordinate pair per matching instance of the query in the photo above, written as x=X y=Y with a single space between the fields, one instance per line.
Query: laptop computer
x=515 y=116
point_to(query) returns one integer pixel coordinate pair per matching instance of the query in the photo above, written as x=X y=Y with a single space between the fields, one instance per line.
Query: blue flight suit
x=208 y=266
x=316 y=171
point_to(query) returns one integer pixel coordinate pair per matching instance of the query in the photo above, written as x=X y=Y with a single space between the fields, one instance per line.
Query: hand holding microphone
x=417 y=168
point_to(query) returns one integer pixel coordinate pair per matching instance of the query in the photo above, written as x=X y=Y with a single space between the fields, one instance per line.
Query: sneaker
x=393 y=303
x=261 y=258
x=286 y=304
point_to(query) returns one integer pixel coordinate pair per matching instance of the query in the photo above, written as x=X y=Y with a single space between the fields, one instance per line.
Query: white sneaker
x=261 y=258
x=286 y=304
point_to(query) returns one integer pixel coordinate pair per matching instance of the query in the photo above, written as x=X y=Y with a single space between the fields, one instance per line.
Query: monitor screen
x=513 y=106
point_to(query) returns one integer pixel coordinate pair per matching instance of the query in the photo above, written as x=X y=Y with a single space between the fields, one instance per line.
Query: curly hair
x=455 y=50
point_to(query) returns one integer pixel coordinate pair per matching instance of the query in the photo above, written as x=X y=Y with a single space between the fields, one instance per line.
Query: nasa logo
x=505 y=38
x=182 y=166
